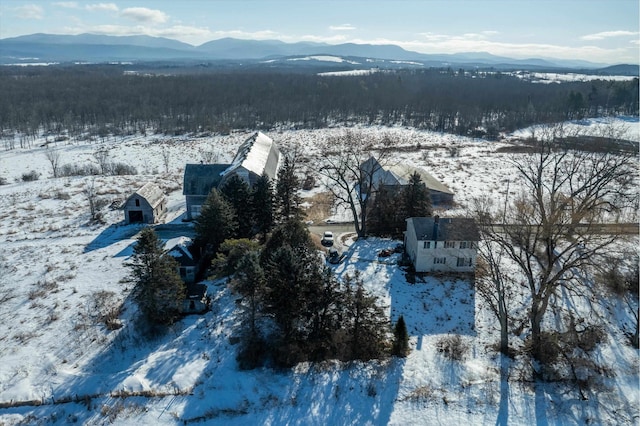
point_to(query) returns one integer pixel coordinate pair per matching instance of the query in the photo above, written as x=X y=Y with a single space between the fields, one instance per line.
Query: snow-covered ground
x=58 y=272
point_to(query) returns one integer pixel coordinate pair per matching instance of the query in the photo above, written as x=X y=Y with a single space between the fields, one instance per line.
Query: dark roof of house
x=200 y=179
x=448 y=229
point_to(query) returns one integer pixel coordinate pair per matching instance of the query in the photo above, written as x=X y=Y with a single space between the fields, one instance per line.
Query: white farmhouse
x=442 y=244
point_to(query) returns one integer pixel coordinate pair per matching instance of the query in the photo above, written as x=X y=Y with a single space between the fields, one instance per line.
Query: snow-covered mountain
x=99 y=48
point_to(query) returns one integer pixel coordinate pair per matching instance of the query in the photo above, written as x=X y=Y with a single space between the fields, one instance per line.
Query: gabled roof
x=403 y=173
x=448 y=229
x=152 y=193
x=200 y=179
x=258 y=154
x=179 y=249
x=400 y=174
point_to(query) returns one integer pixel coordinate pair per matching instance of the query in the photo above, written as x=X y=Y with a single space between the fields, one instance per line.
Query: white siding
x=424 y=258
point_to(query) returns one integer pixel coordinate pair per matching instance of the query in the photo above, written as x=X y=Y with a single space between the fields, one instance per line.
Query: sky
x=604 y=31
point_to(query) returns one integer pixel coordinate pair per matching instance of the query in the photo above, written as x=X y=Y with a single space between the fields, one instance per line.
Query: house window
x=465 y=244
x=439 y=260
x=137 y=203
x=449 y=244
x=195 y=211
x=183 y=272
x=464 y=261
x=427 y=244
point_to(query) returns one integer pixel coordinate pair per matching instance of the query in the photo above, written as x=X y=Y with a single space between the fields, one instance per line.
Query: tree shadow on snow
x=138 y=361
x=111 y=235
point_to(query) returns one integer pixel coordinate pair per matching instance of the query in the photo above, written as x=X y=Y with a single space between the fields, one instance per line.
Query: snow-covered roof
x=152 y=193
x=179 y=249
x=400 y=174
x=258 y=155
x=403 y=173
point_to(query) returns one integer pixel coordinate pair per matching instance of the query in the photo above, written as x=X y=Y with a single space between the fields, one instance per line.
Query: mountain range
x=101 y=48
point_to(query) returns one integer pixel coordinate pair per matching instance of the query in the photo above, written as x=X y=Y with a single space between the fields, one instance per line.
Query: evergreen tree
x=386 y=217
x=417 y=201
x=159 y=290
x=215 y=223
x=367 y=326
x=287 y=199
x=237 y=193
x=249 y=281
x=400 y=339
x=262 y=206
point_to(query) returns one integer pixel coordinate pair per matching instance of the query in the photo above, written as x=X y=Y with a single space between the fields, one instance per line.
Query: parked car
x=334 y=256
x=327 y=239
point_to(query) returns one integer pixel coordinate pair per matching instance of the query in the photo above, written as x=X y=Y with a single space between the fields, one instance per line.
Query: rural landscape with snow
x=315 y=239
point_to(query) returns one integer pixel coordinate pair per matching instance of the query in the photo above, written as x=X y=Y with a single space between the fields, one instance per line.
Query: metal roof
x=152 y=193
x=400 y=174
x=259 y=155
x=200 y=179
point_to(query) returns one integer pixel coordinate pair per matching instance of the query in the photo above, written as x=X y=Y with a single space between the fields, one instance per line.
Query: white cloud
x=608 y=34
x=343 y=27
x=106 y=7
x=29 y=11
x=142 y=14
x=67 y=4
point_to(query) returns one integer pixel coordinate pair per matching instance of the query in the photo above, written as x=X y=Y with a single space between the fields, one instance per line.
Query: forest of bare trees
x=102 y=100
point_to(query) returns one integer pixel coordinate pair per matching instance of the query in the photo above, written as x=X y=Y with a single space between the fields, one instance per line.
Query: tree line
x=104 y=100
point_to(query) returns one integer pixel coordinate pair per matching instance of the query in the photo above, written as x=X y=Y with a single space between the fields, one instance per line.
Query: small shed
x=197 y=300
x=147 y=205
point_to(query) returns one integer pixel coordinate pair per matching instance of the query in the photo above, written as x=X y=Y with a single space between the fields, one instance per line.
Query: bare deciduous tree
x=102 y=157
x=552 y=228
x=54 y=158
x=91 y=194
x=166 y=157
x=349 y=168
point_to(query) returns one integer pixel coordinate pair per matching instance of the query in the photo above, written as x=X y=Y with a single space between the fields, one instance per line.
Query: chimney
x=436 y=224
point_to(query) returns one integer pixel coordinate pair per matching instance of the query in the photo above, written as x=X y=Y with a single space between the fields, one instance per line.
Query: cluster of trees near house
x=102 y=100
x=294 y=308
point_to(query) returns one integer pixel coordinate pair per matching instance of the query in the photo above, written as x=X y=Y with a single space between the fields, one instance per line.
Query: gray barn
x=147 y=205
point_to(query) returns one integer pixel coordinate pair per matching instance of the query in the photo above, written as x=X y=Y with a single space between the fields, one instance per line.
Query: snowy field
x=59 y=272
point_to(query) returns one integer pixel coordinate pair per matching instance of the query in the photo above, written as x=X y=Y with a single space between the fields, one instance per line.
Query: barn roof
x=403 y=173
x=400 y=174
x=448 y=229
x=200 y=179
x=152 y=193
x=258 y=154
